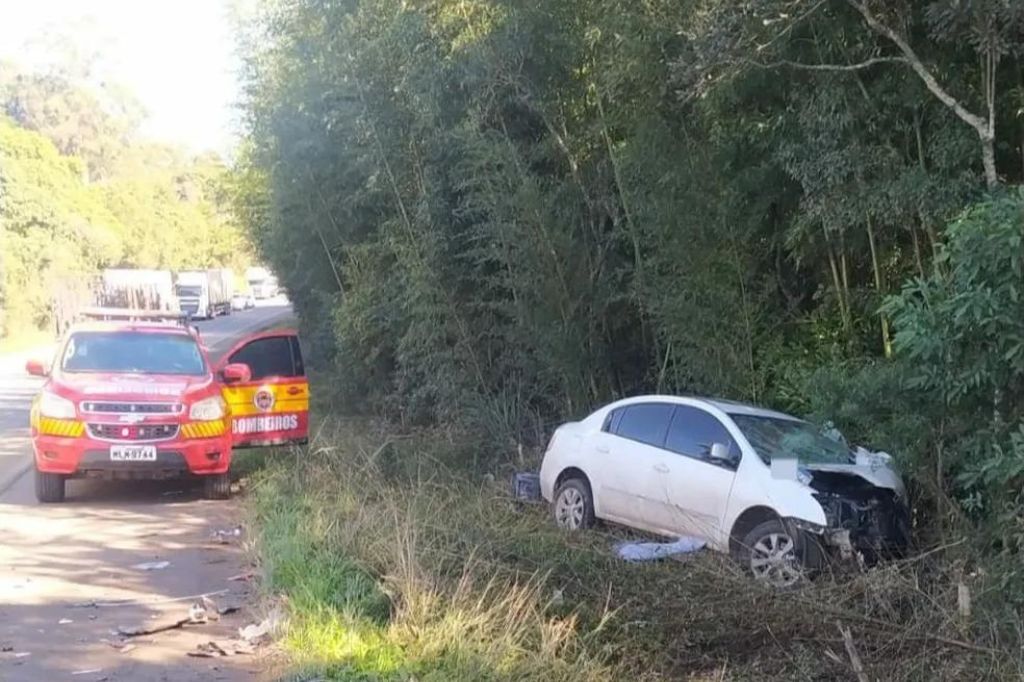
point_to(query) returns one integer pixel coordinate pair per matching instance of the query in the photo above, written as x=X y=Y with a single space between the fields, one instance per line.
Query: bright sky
x=177 y=57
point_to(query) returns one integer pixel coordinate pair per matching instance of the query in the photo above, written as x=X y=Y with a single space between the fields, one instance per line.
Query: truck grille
x=133 y=432
x=104 y=407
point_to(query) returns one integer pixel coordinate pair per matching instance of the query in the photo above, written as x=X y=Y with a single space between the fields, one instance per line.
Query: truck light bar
x=130 y=314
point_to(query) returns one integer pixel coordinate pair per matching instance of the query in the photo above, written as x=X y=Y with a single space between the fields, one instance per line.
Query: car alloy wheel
x=570 y=509
x=774 y=560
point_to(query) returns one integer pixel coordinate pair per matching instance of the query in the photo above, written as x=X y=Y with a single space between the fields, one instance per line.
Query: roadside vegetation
x=397 y=564
x=493 y=216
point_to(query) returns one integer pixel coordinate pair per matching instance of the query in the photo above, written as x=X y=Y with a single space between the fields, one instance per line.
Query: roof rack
x=133 y=315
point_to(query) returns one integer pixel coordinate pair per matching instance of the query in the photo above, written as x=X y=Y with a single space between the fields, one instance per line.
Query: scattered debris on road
x=120 y=645
x=65 y=621
x=254 y=634
x=224 y=536
x=144 y=602
x=91 y=671
x=248 y=575
x=152 y=565
x=213 y=649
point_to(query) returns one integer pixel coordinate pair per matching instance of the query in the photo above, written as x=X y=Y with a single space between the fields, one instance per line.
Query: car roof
x=728 y=406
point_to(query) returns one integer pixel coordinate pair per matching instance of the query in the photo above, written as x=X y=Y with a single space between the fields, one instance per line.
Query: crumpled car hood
x=874 y=470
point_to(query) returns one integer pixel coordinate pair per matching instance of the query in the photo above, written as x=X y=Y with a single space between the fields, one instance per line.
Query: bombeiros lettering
x=262 y=424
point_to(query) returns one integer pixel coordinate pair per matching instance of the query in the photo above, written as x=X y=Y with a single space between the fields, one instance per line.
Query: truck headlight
x=208 y=409
x=56 y=407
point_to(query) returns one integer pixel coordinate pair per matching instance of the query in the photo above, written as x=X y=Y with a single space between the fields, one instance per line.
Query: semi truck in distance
x=204 y=294
x=262 y=282
x=136 y=289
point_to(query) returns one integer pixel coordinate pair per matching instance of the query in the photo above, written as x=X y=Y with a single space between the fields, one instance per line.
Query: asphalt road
x=53 y=558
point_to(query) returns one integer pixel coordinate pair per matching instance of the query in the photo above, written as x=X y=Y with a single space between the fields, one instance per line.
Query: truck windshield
x=772 y=438
x=184 y=290
x=143 y=353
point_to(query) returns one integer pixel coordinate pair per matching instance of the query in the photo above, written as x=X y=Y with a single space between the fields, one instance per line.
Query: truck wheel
x=217 y=487
x=49 y=487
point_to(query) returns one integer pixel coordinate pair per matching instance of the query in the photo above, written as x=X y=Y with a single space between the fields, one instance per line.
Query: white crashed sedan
x=768 y=488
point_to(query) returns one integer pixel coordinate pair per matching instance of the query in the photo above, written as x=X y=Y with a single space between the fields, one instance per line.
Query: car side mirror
x=36 y=368
x=236 y=372
x=722 y=454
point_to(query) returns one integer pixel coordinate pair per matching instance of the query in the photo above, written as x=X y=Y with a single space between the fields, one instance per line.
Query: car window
x=774 y=438
x=300 y=368
x=268 y=357
x=693 y=431
x=646 y=422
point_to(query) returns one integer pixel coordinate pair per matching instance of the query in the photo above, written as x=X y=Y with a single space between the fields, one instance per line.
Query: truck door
x=272 y=408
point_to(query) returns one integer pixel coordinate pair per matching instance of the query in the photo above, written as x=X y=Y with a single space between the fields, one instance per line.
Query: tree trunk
x=837 y=283
x=886 y=340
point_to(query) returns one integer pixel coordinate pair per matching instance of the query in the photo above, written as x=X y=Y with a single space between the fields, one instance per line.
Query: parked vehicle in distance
x=765 y=487
x=205 y=294
x=262 y=283
x=137 y=289
x=141 y=399
x=242 y=300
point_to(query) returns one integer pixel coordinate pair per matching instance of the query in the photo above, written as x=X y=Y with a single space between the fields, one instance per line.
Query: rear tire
x=217 y=486
x=49 y=487
x=572 y=505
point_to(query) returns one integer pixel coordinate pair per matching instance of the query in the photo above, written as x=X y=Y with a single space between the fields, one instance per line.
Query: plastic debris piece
x=652 y=551
x=65 y=621
x=22 y=654
x=226 y=535
x=526 y=487
x=152 y=565
x=255 y=633
x=90 y=671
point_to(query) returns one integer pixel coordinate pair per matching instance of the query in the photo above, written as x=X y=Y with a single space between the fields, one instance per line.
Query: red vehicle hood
x=134 y=387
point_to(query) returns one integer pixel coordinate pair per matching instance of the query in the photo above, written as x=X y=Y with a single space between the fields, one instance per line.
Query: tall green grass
x=398 y=566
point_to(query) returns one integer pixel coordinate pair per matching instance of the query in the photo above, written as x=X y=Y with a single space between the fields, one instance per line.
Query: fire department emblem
x=264 y=399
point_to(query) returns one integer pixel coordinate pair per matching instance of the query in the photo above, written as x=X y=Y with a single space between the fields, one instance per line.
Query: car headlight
x=208 y=409
x=56 y=407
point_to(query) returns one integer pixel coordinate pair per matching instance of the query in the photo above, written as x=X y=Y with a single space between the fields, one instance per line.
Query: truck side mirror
x=236 y=372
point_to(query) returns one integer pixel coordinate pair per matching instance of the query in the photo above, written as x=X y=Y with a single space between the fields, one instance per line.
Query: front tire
x=573 y=505
x=777 y=556
x=217 y=486
x=49 y=487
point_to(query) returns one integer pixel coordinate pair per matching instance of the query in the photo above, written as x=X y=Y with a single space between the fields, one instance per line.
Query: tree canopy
x=79 y=192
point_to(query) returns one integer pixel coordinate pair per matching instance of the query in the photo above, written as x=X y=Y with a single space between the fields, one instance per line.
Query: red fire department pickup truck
x=141 y=399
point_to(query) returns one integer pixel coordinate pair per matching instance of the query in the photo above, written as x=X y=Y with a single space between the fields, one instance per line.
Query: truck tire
x=49 y=487
x=217 y=486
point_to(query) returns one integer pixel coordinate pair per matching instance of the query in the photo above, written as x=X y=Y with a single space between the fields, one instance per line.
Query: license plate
x=133 y=453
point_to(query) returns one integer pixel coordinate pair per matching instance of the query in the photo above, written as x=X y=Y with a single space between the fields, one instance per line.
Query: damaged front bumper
x=862 y=521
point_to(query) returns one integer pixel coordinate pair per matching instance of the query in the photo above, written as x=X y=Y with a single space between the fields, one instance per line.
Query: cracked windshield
x=501 y=340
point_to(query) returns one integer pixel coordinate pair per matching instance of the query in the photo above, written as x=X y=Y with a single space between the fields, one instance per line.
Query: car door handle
x=661 y=468
x=603 y=449
x=294 y=390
